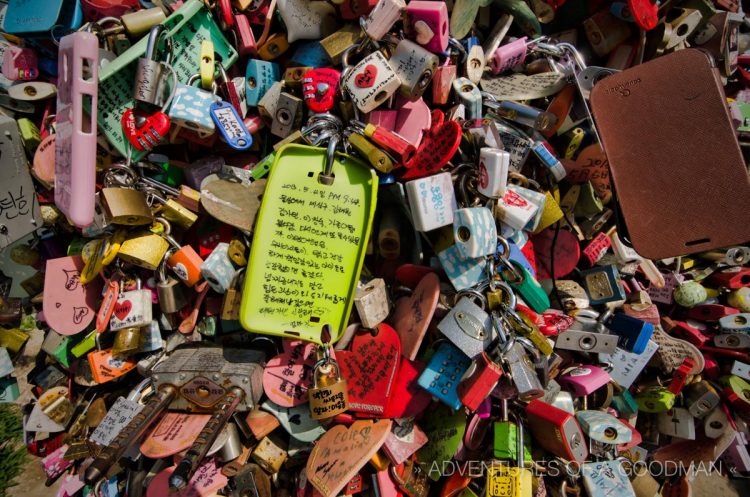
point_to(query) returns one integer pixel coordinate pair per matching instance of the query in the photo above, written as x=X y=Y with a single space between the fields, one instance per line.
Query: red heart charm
x=122 y=309
x=319 y=87
x=370 y=368
x=287 y=376
x=154 y=127
x=366 y=78
x=437 y=147
x=408 y=398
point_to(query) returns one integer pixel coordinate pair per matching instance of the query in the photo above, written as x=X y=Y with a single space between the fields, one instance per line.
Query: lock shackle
x=326 y=178
x=136 y=394
x=152 y=44
x=455 y=43
x=197 y=77
x=120 y=175
x=161 y=270
x=473 y=294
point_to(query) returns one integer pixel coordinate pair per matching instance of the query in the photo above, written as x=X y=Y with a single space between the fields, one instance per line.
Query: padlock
x=20 y=64
x=133 y=309
x=410 y=479
x=427 y=24
x=603 y=427
x=382 y=17
x=150 y=75
x=474 y=231
x=493 y=172
x=508 y=56
x=260 y=75
x=105 y=367
x=521 y=371
x=287 y=116
x=374 y=155
x=218 y=269
x=270 y=454
x=173 y=211
x=469 y=95
x=603 y=284
x=468 y=327
x=607 y=478
x=371 y=301
x=735 y=323
x=515 y=210
x=584 y=380
x=246 y=44
x=586 y=341
x=557 y=431
x=443 y=374
x=442 y=82
x=230 y=307
x=144 y=249
x=171 y=294
x=370 y=82
x=136 y=24
x=125 y=206
x=432 y=201
x=655 y=399
x=328 y=394
x=710 y=312
x=482 y=376
x=185 y=262
x=127 y=342
x=605 y=32
x=676 y=422
x=521 y=280
x=634 y=334
x=414 y=66
x=190 y=107
x=701 y=398
x=274 y=47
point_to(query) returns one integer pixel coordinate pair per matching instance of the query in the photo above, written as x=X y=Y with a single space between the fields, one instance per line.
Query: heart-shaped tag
x=366 y=78
x=403 y=441
x=122 y=309
x=69 y=305
x=233 y=203
x=342 y=452
x=296 y=421
x=438 y=146
x=566 y=248
x=412 y=315
x=173 y=434
x=154 y=127
x=287 y=376
x=408 y=398
x=370 y=368
x=204 y=483
x=445 y=431
x=591 y=165
x=319 y=87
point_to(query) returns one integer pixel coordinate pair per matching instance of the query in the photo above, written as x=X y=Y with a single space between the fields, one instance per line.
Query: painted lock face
x=371 y=82
x=474 y=231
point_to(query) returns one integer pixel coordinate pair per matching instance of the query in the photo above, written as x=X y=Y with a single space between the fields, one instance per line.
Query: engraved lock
x=230 y=307
x=370 y=82
x=411 y=479
x=190 y=107
x=127 y=342
x=132 y=309
x=608 y=478
x=125 y=206
x=371 y=301
x=150 y=74
x=328 y=395
x=468 y=327
x=382 y=17
x=603 y=427
x=171 y=293
x=508 y=481
x=521 y=370
x=443 y=373
x=414 y=66
x=603 y=285
x=288 y=115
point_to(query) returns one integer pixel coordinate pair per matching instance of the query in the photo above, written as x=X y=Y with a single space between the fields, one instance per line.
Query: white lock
x=677 y=422
x=371 y=300
x=381 y=18
x=515 y=210
x=493 y=172
x=307 y=20
x=133 y=309
x=474 y=232
x=432 y=201
x=537 y=199
x=371 y=82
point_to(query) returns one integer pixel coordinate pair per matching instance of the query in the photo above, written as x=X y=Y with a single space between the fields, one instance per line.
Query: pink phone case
x=75 y=147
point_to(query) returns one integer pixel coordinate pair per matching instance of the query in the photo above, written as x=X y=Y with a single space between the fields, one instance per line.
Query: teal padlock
x=625 y=403
x=9 y=391
x=519 y=278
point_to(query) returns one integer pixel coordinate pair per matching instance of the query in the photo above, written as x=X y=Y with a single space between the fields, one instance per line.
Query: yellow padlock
x=208 y=64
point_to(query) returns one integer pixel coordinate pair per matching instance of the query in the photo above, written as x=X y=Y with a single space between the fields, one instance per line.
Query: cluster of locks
x=376 y=247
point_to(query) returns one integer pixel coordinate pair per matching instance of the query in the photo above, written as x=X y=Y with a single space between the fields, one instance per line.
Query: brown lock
x=230 y=306
x=410 y=479
x=125 y=206
x=328 y=394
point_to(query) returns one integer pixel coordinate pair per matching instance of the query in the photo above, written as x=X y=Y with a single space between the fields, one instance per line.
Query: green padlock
x=655 y=399
x=505 y=439
x=63 y=353
x=29 y=135
x=524 y=283
x=625 y=403
x=589 y=204
x=85 y=345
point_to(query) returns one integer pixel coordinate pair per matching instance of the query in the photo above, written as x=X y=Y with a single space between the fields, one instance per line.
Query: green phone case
x=309 y=245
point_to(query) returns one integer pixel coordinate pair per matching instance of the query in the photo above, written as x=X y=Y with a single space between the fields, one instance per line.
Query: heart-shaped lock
x=174 y=433
x=144 y=131
x=287 y=376
x=438 y=145
x=319 y=88
x=370 y=368
x=366 y=78
x=412 y=315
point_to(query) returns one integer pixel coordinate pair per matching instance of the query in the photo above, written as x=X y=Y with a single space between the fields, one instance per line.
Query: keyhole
x=251 y=82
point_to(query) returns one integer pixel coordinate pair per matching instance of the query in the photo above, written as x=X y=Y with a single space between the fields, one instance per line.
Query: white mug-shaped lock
x=432 y=201
x=475 y=232
x=493 y=172
x=218 y=270
x=371 y=82
x=132 y=309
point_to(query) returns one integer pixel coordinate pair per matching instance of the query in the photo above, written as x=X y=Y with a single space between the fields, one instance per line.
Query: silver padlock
x=150 y=74
x=415 y=67
x=288 y=115
x=468 y=327
x=522 y=373
x=371 y=300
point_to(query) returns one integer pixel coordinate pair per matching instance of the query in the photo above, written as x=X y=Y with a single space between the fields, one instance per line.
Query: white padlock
x=493 y=172
x=371 y=82
x=432 y=201
x=382 y=17
x=536 y=198
x=515 y=210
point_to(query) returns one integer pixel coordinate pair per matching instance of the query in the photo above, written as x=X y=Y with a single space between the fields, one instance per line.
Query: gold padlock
x=127 y=342
x=328 y=394
x=336 y=43
x=237 y=251
x=269 y=454
x=230 y=306
x=13 y=339
x=125 y=206
x=144 y=249
x=275 y=45
x=173 y=211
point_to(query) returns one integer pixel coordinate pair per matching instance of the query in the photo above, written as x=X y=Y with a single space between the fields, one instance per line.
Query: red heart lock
x=319 y=87
x=370 y=368
x=287 y=377
x=408 y=398
x=645 y=13
x=438 y=145
x=122 y=309
x=151 y=131
x=366 y=78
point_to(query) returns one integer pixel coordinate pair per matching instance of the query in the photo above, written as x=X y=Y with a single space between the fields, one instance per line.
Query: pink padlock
x=583 y=380
x=508 y=56
x=427 y=23
x=20 y=64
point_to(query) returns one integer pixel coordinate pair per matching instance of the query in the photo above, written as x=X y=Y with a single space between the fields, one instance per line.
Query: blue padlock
x=474 y=232
x=442 y=374
x=191 y=105
x=463 y=273
x=37 y=18
x=260 y=76
x=602 y=284
x=311 y=54
x=634 y=334
x=218 y=270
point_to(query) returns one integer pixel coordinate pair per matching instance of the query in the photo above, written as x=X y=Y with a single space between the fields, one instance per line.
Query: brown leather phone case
x=677 y=169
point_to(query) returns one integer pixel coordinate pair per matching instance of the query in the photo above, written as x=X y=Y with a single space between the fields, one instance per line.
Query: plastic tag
x=204 y=483
x=287 y=376
x=445 y=430
x=69 y=306
x=173 y=434
x=117 y=418
x=318 y=234
x=231 y=127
